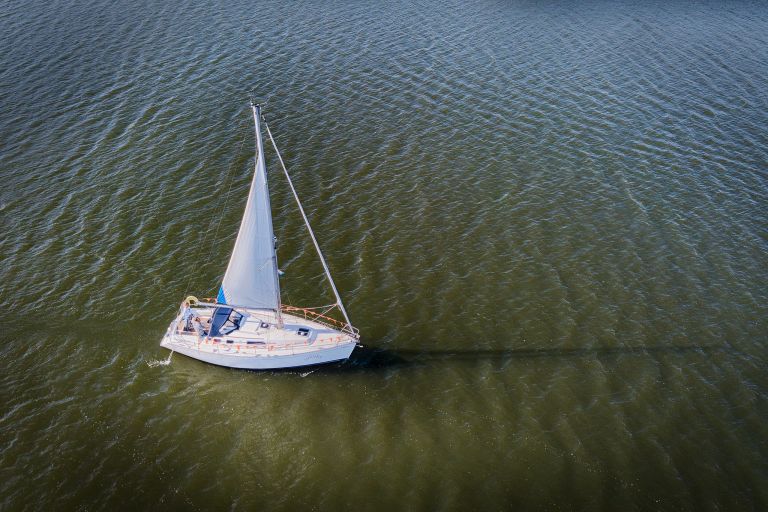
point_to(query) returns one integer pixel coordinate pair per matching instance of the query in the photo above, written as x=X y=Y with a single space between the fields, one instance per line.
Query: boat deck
x=258 y=335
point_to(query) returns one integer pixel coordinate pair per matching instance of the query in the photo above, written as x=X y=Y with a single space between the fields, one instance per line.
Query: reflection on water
x=376 y=358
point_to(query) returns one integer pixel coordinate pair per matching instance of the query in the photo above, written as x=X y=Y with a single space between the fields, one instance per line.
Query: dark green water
x=549 y=221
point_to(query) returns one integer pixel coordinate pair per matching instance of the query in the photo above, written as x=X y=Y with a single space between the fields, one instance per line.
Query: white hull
x=265 y=361
x=256 y=348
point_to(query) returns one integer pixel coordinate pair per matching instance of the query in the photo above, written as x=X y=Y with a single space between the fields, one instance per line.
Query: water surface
x=548 y=221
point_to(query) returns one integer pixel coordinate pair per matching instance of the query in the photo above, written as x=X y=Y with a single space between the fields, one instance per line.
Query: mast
x=251 y=279
x=260 y=148
x=309 y=228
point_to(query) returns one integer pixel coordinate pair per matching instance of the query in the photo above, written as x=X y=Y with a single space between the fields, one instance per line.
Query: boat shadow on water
x=369 y=359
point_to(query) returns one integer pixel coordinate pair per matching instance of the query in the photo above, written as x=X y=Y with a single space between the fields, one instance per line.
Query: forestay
x=251 y=278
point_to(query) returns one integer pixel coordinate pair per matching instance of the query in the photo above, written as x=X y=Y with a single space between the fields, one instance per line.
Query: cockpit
x=224 y=321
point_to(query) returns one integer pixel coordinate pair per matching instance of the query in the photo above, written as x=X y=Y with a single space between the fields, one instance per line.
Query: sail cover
x=251 y=277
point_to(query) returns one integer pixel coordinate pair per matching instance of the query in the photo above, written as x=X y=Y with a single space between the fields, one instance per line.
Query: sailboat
x=246 y=325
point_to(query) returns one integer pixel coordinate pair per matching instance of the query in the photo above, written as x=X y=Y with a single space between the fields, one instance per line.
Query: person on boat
x=186 y=316
x=198 y=325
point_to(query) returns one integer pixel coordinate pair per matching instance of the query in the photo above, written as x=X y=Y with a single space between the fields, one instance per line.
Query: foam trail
x=160 y=362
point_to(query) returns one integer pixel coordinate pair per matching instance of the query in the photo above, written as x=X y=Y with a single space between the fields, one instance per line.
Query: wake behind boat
x=247 y=326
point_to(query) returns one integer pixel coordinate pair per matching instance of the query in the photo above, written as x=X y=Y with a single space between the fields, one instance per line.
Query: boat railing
x=219 y=345
x=306 y=313
x=310 y=314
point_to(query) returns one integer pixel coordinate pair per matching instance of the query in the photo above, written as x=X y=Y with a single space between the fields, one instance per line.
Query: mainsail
x=251 y=278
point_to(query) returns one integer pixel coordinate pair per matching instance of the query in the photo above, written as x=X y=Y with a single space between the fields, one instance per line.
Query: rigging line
x=329 y=306
x=328 y=309
x=309 y=228
x=223 y=208
x=227 y=196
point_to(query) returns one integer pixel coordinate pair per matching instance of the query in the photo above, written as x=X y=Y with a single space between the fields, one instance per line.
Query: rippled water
x=548 y=220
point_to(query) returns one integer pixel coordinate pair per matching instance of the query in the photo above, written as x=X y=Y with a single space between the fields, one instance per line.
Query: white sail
x=251 y=278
